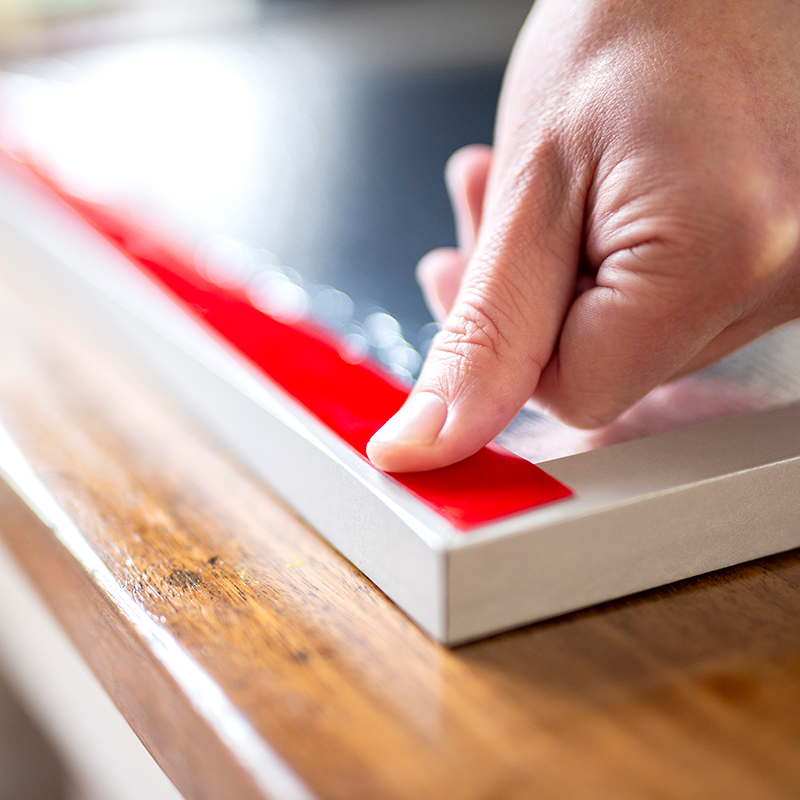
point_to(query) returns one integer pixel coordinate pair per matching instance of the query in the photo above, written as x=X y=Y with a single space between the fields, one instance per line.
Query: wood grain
x=689 y=691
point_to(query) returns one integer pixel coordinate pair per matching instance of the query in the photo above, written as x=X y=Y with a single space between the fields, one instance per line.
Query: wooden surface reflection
x=689 y=691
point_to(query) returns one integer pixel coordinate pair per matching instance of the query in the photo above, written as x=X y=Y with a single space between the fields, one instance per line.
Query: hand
x=638 y=219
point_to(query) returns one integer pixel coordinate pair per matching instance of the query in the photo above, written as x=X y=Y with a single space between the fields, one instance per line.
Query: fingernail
x=452 y=178
x=417 y=422
x=457 y=192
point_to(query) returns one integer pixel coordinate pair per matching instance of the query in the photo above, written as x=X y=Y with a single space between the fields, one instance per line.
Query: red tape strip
x=354 y=400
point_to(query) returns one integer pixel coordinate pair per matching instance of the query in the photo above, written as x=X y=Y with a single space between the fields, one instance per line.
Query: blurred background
x=31 y=26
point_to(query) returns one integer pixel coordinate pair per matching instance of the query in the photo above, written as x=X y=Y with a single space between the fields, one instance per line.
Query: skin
x=637 y=219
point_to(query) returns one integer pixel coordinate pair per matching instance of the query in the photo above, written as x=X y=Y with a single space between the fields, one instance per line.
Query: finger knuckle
x=772 y=238
x=587 y=412
x=760 y=229
x=474 y=327
x=581 y=402
x=589 y=418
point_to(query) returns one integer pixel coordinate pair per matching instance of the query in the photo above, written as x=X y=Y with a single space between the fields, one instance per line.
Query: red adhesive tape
x=353 y=400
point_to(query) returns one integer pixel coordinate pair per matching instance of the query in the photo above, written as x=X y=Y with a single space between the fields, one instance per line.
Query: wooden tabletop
x=253 y=661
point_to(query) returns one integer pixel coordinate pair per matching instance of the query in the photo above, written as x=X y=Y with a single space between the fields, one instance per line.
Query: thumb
x=486 y=362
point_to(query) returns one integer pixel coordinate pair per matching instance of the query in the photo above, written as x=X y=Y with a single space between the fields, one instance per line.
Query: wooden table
x=253 y=661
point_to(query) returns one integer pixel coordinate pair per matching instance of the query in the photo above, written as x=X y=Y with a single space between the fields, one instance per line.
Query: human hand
x=638 y=219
